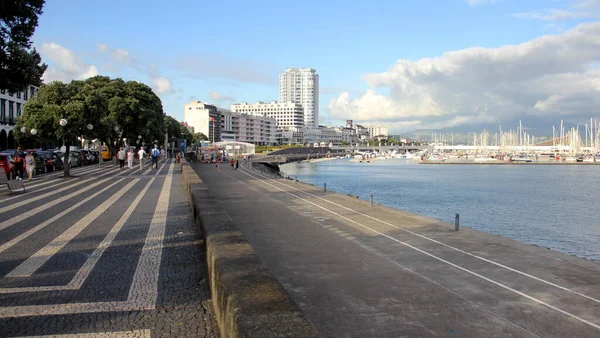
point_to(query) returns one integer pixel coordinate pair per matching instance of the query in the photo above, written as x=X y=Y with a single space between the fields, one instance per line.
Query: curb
x=247 y=300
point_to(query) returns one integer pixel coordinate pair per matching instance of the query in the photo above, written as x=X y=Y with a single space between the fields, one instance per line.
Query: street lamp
x=23 y=130
x=62 y=122
x=90 y=126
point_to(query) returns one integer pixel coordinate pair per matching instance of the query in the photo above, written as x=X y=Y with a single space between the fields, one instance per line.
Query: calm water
x=551 y=206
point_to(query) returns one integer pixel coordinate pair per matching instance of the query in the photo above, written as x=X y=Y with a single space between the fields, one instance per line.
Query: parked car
x=96 y=155
x=6 y=165
x=51 y=160
x=78 y=158
x=105 y=153
x=87 y=156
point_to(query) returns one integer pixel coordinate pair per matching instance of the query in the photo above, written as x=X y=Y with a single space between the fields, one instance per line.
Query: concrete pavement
x=109 y=252
x=362 y=271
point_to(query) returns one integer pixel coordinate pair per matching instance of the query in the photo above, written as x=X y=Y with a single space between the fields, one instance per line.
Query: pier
x=357 y=268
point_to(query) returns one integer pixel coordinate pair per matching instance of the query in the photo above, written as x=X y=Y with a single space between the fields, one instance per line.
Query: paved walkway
x=109 y=252
x=362 y=271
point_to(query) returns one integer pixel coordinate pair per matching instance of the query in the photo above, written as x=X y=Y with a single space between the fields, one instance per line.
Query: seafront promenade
x=360 y=271
x=109 y=252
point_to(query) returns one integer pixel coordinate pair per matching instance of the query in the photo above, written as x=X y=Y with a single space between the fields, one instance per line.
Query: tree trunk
x=67 y=167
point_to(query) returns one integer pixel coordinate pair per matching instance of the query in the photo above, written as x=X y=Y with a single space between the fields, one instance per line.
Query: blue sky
x=232 y=51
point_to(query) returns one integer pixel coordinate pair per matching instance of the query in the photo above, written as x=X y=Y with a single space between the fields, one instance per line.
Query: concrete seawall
x=247 y=300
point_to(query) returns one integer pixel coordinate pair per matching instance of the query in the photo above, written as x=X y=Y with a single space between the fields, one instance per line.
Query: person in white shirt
x=141 y=155
x=121 y=156
x=130 y=159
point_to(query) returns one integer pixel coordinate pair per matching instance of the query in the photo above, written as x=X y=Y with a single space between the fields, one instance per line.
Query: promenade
x=361 y=271
x=109 y=252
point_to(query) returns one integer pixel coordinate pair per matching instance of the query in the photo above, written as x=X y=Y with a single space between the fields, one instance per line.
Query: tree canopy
x=20 y=65
x=110 y=110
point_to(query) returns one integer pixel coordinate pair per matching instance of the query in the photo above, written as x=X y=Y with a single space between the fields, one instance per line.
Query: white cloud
x=66 y=65
x=551 y=76
x=576 y=10
x=217 y=96
x=161 y=85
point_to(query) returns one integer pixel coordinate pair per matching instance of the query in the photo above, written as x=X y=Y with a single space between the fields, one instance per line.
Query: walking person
x=18 y=162
x=237 y=164
x=130 y=159
x=155 y=153
x=141 y=155
x=121 y=156
x=232 y=163
x=218 y=169
x=163 y=154
x=29 y=164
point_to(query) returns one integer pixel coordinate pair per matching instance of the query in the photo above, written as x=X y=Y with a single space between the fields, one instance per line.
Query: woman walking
x=121 y=156
x=29 y=164
x=130 y=159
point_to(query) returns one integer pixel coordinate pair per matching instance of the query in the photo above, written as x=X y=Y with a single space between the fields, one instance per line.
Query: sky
x=408 y=65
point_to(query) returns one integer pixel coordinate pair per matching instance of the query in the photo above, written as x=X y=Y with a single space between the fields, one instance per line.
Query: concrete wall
x=247 y=300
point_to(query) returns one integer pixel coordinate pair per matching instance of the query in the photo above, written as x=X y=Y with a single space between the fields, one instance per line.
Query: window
x=18 y=95
x=18 y=109
x=3 y=110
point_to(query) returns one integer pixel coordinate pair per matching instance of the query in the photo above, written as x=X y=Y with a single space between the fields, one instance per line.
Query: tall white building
x=301 y=85
x=288 y=115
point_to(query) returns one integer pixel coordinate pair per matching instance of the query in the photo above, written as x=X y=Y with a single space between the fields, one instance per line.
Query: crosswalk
x=65 y=235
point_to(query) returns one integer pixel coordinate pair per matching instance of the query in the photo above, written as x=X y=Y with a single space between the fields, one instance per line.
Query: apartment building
x=288 y=115
x=301 y=85
x=11 y=107
x=204 y=118
x=244 y=127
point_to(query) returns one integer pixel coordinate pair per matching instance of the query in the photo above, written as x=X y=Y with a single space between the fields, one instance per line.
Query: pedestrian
x=218 y=169
x=141 y=155
x=155 y=152
x=232 y=163
x=29 y=164
x=121 y=156
x=130 y=159
x=18 y=162
x=237 y=164
x=163 y=154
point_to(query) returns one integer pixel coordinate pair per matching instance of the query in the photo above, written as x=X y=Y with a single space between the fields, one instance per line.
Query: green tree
x=20 y=65
x=55 y=102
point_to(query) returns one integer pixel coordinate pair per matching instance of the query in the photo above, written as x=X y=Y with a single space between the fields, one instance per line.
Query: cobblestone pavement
x=109 y=252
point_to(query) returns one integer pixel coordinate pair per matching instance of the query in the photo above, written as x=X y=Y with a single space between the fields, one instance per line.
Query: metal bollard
x=324 y=187
x=456 y=217
x=371 y=199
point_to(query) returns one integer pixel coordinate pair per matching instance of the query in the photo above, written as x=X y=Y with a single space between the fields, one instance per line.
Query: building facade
x=288 y=115
x=243 y=127
x=11 y=107
x=301 y=85
x=377 y=131
x=205 y=118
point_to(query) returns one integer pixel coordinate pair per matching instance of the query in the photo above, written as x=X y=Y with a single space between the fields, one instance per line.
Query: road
x=362 y=271
x=109 y=251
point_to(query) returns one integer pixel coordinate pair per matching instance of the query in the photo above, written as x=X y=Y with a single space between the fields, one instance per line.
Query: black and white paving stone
x=108 y=253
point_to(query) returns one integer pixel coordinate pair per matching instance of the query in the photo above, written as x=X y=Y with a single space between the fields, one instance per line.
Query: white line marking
x=32 y=188
x=115 y=334
x=443 y=244
x=35 y=261
x=83 y=273
x=49 y=221
x=39 y=197
x=438 y=258
x=144 y=286
x=137 y=303
x=32 y=212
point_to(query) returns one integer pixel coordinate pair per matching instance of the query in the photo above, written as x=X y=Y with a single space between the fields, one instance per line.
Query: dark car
x=77 y=154
x=51 y=160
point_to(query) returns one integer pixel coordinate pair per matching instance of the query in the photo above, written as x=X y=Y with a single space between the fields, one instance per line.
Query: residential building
x=301 y=85
x=205 y=118
x=377 y=131
x=11 y=107
x=288 y=115
x=362 y=132
x=244 y=127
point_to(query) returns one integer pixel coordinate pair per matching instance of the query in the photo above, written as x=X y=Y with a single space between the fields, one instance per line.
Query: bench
x=13 y=185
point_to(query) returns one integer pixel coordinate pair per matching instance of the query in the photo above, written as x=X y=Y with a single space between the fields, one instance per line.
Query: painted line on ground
x=135 y=302
x=434 y=256
x=144 y=286
x=115 y=334
x=35 y=261
x=441 y=243
x=22 y=216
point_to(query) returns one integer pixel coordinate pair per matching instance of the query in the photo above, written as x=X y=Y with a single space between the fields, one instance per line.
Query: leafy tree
x=57 y=101
x=199 y=137
x=19 y=66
